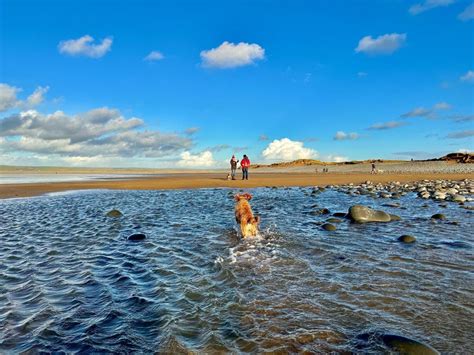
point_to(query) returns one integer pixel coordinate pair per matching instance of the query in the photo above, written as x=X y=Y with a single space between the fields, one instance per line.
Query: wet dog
x=244 y=216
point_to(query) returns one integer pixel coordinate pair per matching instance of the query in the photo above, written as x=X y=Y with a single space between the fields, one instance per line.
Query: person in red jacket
x=244 y=164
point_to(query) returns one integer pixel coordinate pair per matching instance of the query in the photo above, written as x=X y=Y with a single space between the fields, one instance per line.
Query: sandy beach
x=306 y=176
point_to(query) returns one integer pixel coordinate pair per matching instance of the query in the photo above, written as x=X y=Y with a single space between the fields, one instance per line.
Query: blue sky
x=277 y=80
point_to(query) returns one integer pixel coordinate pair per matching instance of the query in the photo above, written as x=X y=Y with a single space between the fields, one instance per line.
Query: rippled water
x=70 y=281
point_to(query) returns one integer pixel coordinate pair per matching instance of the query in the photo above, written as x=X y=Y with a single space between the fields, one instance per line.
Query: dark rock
x=329 y=227
x=407 y=239
x=320 y=211
x=114 y=214
x=438 y=216
x=363 y=214
x=136 y=237
x=339 y=214
x=334 y=220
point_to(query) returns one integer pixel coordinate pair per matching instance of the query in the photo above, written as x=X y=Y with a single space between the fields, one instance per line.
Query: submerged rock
x=438 y=216
x=329 y=227
x=397 y=343
x=334 y=220
x=394 y=217
x=339 y=214
x=114 y=213
x=363 y=214
x=407 y=239
x=136 y=237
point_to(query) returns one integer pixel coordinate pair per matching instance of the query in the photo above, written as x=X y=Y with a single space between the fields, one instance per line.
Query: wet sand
x=213 y=180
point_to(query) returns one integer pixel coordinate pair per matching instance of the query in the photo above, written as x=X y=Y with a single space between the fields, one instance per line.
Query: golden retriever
x=244 y=215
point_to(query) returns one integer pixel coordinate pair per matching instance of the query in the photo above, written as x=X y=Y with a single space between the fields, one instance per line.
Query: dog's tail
x=246 y=196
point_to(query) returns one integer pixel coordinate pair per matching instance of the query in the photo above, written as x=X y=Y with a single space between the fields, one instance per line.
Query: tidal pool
x=70 y=281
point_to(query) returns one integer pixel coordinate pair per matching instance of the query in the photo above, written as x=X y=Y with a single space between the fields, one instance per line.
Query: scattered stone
x=407 y=239
x=438 y=216
x=329 y=227
x=321 y=211
x=459 y=198
x=334 y=220
x=363 y=214
x=339 y=214
x=114 y=214
x=136 y=237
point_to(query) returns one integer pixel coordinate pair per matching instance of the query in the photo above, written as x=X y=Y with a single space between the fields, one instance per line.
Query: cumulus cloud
x=199 y=160
x=428 y=5
x=462 y=118
x=191 y=130
x=154 y=56
x=442 y=106
x=387 y=125
x=467 y=14
x=84 y=46
x=9 y=99
x=231 y=55
x=342 y=136
x=385 y=44
x=100 y=132
x=468 y=77
x=286 y=150
x=461 y=134
x=37 y=96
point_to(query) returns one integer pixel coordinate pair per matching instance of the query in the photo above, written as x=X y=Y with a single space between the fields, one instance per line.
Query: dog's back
x=244 y=215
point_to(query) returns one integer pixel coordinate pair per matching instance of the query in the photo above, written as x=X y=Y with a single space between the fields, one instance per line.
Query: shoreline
x=217 y=180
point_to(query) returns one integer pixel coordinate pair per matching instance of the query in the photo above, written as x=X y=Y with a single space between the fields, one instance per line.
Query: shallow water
x=36 y=178
x=70 y=281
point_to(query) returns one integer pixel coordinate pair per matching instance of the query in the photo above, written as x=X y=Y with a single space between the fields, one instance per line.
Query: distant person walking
x=233 y=166
x=373 y=171
x=245 y=163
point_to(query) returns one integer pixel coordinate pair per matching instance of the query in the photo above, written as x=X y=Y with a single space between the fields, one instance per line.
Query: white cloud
x=84 y=47
x=428 y=5
x=200 y=160
x=337 y=158
x=442 y=106
x=341 y=136
x=387 y=125
x=467 y=14
x=468 y=77
x=154 y=56
x=231 y=55
x=8 y=98
x=461 y=134
x=286 y=150
x=385 y=44
x=37 y=96
x=464 y=150
x=99 y=132
x=191 y=130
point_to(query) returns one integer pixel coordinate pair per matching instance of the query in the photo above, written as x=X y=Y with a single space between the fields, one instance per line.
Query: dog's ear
x=237 y=197
x=247 y=196
x=257 y=219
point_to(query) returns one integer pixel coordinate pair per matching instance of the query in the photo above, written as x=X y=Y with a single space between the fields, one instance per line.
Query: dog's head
x=251 y=228
x=245 y=196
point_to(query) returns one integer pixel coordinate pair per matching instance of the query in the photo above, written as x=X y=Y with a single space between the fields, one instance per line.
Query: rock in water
x=397 y=343
x=339 y=214
x=394 y=217
x=407 y=346
x=363 y=214
x=136 y=237
x=114 y=213
x=438 y=216
x=407 y=239
x=334 y=220
x=329 y=227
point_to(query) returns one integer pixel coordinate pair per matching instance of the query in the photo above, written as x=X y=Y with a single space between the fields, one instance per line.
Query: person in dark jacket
x=233 y=166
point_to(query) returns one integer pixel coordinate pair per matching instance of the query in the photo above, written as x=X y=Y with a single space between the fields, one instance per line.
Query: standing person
x=373 y=169
x=233 y=166
x=245 y=163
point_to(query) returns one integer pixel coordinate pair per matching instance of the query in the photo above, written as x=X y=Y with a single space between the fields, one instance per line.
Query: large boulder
x=363 y=214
